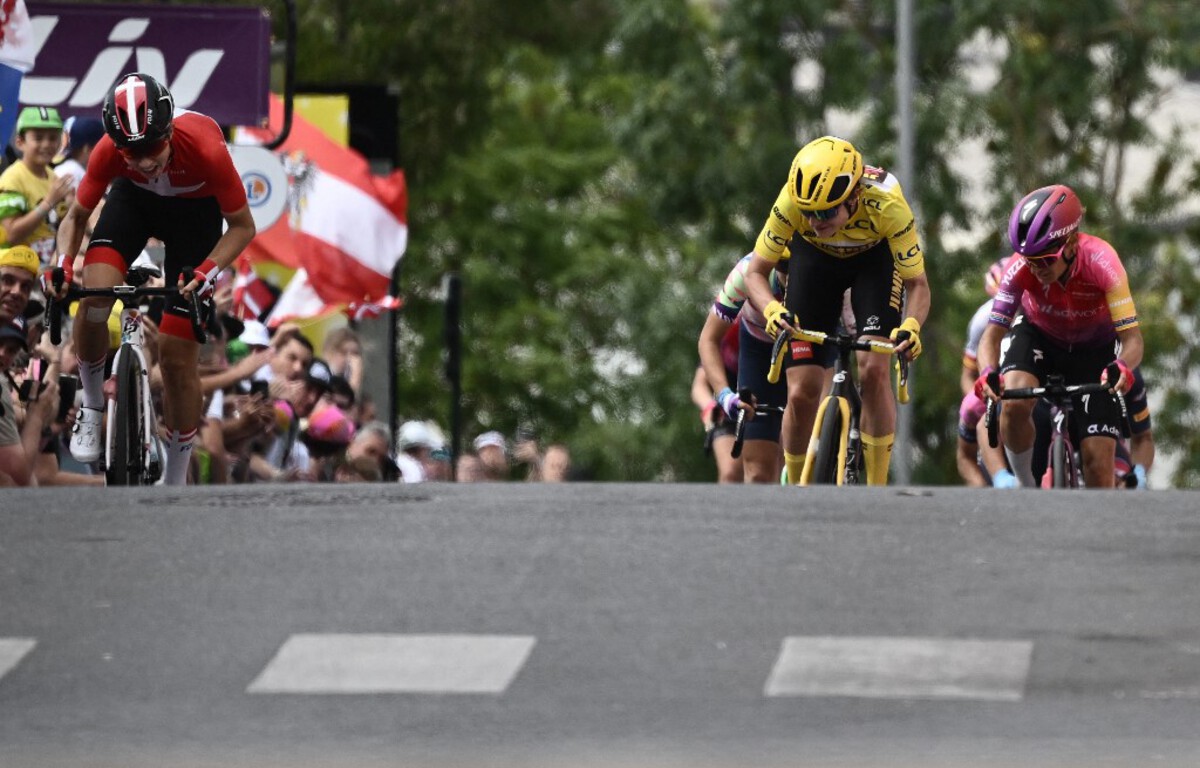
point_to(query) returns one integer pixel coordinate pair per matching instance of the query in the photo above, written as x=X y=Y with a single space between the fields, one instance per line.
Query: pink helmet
x=995 y=275
x=1044 y=219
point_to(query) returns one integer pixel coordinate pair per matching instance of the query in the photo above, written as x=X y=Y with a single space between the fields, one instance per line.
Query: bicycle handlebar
x=843 y=341
x=1053 y=392
x=746 y=396
x=123 y=292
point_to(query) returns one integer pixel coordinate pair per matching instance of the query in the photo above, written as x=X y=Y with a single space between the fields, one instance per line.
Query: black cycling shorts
x=188 y=226
x=818 y=281
x=1026 y=348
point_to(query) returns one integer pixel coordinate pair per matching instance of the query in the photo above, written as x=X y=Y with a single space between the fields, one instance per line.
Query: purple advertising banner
x=214 y=59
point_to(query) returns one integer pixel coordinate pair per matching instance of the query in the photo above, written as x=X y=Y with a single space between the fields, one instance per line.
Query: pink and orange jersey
x=1089 y=309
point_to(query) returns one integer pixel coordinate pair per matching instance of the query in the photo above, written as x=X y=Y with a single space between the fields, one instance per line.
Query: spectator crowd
x=274 y=409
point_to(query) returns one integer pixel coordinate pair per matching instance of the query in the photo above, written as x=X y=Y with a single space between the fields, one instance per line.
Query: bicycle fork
x=845 y=435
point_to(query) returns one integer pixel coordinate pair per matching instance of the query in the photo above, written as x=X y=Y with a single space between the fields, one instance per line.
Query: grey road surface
x=598 y=625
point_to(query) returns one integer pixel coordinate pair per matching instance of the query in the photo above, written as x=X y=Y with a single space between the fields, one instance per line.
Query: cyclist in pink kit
x=1077 y=317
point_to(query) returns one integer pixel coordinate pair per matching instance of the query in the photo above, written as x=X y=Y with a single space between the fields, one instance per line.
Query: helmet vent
x=812 y=186
x=837 y=190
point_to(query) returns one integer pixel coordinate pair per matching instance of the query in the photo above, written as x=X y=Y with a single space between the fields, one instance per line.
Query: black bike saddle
x=140 y=275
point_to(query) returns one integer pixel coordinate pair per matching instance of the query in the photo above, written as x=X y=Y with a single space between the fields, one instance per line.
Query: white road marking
x=376 y=663
x=12 y=650
x=896 y=667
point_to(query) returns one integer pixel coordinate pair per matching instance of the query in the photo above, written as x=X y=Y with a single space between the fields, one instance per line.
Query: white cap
x=491 y=438
x=255 y=334
x=419 y=434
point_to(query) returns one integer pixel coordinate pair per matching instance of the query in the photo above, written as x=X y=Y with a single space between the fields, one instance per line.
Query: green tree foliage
x=593 y=170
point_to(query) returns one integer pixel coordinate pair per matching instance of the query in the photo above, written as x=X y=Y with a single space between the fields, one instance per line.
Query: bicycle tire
x=830 y=446
x=1059 y=461
x=125 y=466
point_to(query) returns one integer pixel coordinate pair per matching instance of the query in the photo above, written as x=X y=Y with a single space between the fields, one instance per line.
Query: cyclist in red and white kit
x=171 y=178
x=1077 y=317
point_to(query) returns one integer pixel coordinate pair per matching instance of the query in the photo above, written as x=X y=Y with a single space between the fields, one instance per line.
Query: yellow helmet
x=824 y=173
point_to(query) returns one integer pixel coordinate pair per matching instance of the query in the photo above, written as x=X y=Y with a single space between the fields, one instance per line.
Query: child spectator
x=31 y=196
x=80 y=135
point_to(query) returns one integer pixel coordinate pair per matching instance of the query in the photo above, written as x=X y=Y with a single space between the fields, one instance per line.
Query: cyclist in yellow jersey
x=848 y=226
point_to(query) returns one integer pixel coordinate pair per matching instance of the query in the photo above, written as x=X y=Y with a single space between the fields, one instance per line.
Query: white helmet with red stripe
x=137 y=112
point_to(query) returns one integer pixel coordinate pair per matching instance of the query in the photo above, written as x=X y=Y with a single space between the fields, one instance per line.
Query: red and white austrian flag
x=345 y=226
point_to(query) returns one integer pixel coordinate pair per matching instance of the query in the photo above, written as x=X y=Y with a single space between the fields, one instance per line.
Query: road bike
x=1063 y=459
x=133 y=453
x=835 y=455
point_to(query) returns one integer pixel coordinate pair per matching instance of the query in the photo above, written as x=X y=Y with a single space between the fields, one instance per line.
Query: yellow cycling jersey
x=882 y=213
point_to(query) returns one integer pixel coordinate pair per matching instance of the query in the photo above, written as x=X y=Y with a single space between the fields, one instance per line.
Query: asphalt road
x=598 y=625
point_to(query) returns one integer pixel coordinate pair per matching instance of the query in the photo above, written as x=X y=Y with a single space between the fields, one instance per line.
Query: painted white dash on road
x=377 y=663
x=12 y=650
x=897 y=667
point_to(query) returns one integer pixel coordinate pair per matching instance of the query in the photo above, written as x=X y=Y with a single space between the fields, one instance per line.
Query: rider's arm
x=702 y=397
x=758 y=282
x=72 y=228
x=710 y=353
x=702 y=393
x=1132 y=346
x=966 y=379
x=989 y=346
x=239 y=234
x=917 y=296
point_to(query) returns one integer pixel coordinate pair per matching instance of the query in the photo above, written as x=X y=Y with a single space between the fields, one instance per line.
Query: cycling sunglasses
x=824 y=215
x=1046 y=257
x=138 y=153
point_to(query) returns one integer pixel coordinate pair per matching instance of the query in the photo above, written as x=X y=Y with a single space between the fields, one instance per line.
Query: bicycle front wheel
x=829 y=460
x=128 y=454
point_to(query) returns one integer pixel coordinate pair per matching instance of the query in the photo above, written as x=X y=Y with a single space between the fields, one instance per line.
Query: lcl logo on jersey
x=115 y=60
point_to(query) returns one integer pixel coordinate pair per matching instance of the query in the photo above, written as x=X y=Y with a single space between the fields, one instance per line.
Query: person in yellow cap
x=18 y=273
x=31 y=195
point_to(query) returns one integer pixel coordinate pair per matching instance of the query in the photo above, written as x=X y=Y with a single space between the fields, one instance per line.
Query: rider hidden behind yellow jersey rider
x=848 y=227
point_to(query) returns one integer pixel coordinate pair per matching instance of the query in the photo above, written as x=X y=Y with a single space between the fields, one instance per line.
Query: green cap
x=236 y=350
x=38 y=117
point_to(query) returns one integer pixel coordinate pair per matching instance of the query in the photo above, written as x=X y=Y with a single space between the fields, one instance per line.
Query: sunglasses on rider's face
x=1046 y=258
x=139 y=153
x=825 y=215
